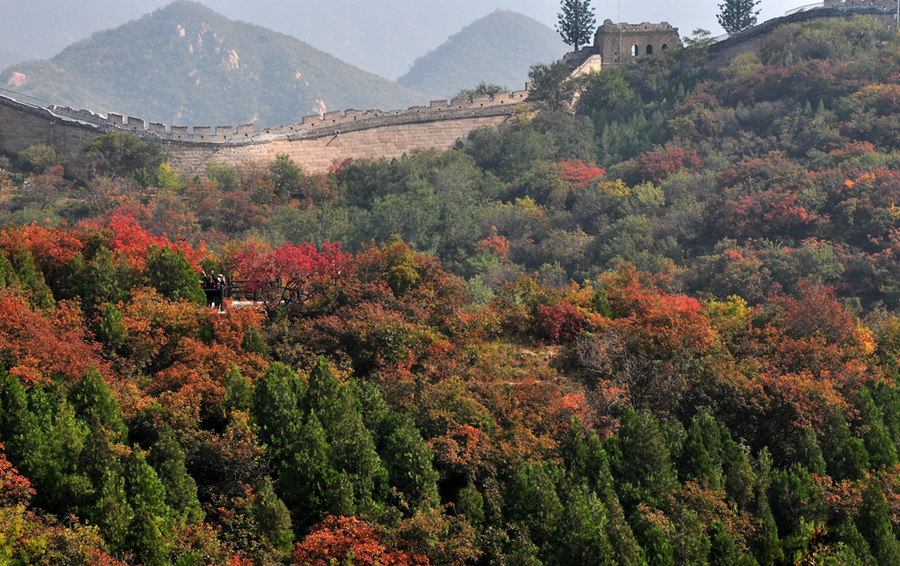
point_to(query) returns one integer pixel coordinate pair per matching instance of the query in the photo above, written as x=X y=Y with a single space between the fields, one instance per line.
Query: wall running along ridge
x=315 y=144
x=318 y=142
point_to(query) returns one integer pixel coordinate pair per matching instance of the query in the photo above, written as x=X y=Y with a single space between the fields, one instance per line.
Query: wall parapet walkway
x=309 y=126
x=311 y=142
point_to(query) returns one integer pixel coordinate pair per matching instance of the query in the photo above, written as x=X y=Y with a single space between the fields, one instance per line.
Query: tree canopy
x=575 y=22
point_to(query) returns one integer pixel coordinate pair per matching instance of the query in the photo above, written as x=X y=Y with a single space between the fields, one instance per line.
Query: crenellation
x=620 y=42
x=315 y=142
x=332 y=117
x=135 y=123
x=318 y=141
x=77 y=114
x=311 y=121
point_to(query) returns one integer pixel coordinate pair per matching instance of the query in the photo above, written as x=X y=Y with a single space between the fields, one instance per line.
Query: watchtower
x=617 y=43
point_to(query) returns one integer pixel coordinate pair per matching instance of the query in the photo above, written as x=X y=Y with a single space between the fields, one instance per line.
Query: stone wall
x=315 y=143
x=752 y=39
x=635 y=40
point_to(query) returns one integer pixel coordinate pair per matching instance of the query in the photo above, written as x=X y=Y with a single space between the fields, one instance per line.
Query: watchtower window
x=649 y=50
x=634 y=50
x=664 y=47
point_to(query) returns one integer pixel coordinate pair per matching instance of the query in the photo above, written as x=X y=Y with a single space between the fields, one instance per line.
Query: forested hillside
x=656 y=327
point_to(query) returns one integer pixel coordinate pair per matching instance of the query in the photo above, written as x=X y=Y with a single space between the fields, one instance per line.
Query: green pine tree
x=582 y=531
x=575 y=22
x=722 y=550
x=809 y=453
x=308 y=482
x=238 y=392
x=31 y=279
x=655 y=544
x=15 y=419
x=793 y=496
x=54 y=442
x=850 y=536
x=404 y=453
x=877 y=439
x=278 y=396
x=340 y=412
x=408 y=461
x=147 y=539
x=640 y=461
x=100 y=281
x=737 y=15
x=143 y=486
x=7 y=275
x=845 y=454
x=695 y=462
x=470 y=504
x=110 y=330
x=168 y=460
x=690 y=545
x=875 y=525
x=111 y=511
x=530 y=500
x=92 y=399
x=272 y=518
x=765 y=544
x=171 y=274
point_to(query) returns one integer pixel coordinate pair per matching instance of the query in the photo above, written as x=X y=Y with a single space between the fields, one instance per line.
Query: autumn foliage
x=658 y=328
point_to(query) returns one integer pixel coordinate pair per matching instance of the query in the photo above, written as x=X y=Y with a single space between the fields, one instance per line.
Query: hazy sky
x=381 y=36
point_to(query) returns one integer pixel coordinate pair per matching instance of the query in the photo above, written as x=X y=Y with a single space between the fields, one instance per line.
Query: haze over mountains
x=383 y=37
x=186 y=64
x=497 y=47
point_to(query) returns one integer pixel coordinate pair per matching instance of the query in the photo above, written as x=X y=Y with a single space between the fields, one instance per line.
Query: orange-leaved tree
x=284 y=275
x=350 y=540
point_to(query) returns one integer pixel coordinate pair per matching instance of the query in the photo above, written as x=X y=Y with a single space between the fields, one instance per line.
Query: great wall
x=315 y=143
x=318 y=141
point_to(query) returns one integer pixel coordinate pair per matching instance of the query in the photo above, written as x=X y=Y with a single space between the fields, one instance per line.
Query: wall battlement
x=308 y=126
x=316 y=142
x=752 y=38
x=620 y=42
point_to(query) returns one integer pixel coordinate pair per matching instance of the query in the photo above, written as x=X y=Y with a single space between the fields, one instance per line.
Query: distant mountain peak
x=186 y=64
x=498 y=48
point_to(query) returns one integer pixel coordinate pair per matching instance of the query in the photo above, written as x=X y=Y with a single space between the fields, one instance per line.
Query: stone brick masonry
x=315 y=144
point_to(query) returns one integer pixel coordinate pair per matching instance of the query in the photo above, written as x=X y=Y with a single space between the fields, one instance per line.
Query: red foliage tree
x=285 y=275
x=656 y=166
x=187 y=349
x=340 y=539
x=14 y=488
x=578 y=173
x=52 y=248
x=131 y=242
x=651 y=345
x=766 y=213
x=38 y=347
x=562 y=322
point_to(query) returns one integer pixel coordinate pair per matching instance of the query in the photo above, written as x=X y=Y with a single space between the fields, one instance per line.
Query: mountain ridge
x=498 y=48
x=188 y=53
